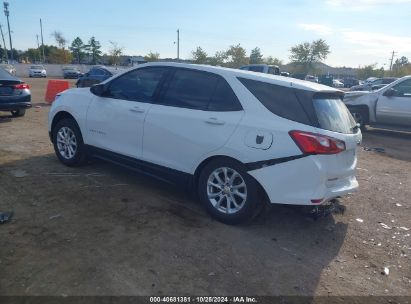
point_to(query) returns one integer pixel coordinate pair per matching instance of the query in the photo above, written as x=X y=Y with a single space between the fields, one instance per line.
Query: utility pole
x=38 y=46
x=42 y=41
x=7 y=13
x=392 y=59
x=178 y=45
x=6 y=56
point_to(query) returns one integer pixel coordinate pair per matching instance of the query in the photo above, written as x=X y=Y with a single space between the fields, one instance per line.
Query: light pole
x=178 y=45
x=7 y=13
x=6 y=56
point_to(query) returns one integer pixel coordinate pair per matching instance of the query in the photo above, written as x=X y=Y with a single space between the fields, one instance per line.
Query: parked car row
x=373 y=84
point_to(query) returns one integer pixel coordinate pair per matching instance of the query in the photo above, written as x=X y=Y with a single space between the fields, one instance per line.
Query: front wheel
x=228 y=192
x=68 y=143
x=360 y=116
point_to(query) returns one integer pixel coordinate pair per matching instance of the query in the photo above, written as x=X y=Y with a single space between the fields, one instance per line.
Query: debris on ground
x=334 y=207
x=385 y=226
x=359 y=220
x=19 y=173
x=404 y=228
x=379 y=150
x=53 y=217
x=5 y=217
x=398 y=205
x=386 y=271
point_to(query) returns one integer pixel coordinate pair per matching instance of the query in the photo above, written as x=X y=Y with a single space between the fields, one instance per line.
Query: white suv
x=237 y=137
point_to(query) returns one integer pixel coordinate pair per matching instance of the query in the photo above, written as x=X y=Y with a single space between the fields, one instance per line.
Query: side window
x=245 y=68
x=190 y=89
x=92 y=72
x=280 y=100
x=224 y=98
x=403 y=89
x=259 y=69
x=137 y=85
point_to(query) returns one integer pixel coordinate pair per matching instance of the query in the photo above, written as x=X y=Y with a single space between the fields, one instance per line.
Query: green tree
x=199 y=56
x=94 y=49
x=31 y=55
x=273 y=61
x=115 y=53
x=77 y=48
x=60 y=56
x=218 y=59
x=369 y=71
x=236 y=56
x=256 y=57
x=150 y=57
x=306 y=53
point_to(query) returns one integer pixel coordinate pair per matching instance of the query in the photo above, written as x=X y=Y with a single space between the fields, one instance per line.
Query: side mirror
x=390 y=92
x=98 y=89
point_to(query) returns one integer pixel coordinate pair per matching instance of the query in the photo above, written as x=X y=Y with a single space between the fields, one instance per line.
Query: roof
x=228 y=72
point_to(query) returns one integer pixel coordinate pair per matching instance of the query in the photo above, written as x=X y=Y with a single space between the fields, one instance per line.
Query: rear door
x=196 y=113
x=396 y=109
x=115 y=121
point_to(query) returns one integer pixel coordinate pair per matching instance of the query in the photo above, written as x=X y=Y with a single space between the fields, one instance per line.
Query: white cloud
x=319 y=29
x=376 y=43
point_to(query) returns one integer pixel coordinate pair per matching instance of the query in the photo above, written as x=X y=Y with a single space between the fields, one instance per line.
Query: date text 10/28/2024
x=203 y=300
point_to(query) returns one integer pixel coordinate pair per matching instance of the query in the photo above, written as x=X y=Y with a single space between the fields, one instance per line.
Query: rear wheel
x=68 y=143
x=228 y=192
x=18 y=113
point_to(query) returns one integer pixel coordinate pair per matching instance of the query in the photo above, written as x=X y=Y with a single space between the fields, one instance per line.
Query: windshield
x=37 y=67
x=334 y=116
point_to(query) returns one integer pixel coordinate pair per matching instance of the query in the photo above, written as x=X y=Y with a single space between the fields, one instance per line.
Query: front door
x=115 y=121
x=396 y=109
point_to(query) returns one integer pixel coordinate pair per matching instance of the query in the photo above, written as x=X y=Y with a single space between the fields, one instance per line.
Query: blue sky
x=359 y=31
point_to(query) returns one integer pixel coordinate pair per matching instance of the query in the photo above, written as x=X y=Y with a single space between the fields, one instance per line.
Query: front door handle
x=214 y=121
x=137 y=110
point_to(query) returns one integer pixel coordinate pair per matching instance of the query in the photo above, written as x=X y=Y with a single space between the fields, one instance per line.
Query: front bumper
x=300 y=181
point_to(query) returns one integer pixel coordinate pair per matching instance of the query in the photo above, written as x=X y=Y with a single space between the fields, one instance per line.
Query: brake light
x=311 y=143
x=21 y=86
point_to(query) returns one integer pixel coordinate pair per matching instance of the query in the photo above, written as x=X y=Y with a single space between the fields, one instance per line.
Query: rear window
x=280 y=100
x=333 y=115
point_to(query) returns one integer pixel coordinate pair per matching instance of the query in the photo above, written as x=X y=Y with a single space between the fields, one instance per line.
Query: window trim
x=156 y=91
x=170 y=77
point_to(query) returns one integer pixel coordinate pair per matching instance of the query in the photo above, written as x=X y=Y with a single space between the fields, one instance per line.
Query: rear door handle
x=137 y=110
x=214 y=121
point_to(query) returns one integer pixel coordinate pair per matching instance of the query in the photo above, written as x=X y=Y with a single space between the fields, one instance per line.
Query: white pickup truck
x=388 y=107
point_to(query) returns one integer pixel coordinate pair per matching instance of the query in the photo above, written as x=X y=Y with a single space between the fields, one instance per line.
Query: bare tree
x=115 y=52
x=61 y=41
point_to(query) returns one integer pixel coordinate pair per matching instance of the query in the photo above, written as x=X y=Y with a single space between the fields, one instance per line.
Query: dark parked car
x=71 y=73
x=15 y=96
x=350 y=82
x=95 y=76
x=374 y=85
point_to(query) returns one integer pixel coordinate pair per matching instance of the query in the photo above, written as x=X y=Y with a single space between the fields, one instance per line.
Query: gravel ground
x=103 y=230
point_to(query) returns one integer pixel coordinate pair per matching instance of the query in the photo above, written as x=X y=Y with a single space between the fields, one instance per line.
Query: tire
x=246 y=197
x=18 y=113
x=70 y=148
x=361 y=116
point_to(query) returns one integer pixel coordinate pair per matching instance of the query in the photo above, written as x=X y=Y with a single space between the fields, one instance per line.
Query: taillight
x=311 y=143
x=21 y=86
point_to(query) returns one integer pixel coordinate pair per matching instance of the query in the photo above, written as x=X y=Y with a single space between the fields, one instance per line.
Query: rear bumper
x=14 y=106
x=300 y=181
